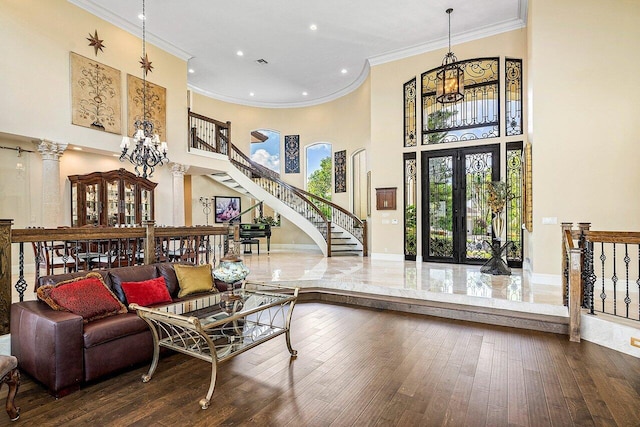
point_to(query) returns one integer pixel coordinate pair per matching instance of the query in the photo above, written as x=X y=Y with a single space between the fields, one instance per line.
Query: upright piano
x=255 y=231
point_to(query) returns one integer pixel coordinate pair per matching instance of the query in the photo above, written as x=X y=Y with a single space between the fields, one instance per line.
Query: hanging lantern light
x=450 y=78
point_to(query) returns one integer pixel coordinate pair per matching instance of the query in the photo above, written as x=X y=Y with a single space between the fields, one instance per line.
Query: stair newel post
x=365 y=238
x=149 y=242
x=575 y=293
x=328 y=238
x=566 y=226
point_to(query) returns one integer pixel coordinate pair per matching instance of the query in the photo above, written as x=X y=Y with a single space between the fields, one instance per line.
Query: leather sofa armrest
x=48 y=345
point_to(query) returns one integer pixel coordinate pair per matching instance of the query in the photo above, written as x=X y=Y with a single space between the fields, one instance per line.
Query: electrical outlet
x=635 y=342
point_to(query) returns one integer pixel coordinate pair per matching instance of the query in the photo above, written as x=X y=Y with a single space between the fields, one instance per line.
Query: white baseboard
x=293 y=247
x=546 y=279
x=387 y=257
x=610 y=334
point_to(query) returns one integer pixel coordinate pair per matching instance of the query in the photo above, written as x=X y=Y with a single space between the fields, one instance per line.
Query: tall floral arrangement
x=497 y=196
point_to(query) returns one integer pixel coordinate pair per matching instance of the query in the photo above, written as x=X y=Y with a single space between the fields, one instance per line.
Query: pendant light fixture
x=450 y=78
x=148 y=152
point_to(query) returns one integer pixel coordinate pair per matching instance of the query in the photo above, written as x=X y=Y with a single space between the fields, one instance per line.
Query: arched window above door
x=476 y=116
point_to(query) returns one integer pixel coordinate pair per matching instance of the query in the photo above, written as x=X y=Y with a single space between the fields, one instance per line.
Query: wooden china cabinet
x=112 y=198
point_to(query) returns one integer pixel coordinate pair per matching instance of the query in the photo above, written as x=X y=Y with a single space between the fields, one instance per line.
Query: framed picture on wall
x=227 y=208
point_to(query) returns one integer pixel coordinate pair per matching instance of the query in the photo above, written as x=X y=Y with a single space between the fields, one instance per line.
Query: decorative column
x=51 y=197
x=178 y=170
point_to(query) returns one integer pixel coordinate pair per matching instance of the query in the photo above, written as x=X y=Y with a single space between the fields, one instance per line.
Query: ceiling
x=305 y=67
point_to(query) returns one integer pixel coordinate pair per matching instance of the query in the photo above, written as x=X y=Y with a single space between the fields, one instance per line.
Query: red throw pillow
x=86 y=296
x=148 y=292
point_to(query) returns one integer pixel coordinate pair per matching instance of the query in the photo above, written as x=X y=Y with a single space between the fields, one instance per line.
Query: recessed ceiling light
x=240 y=53
x=313 y=27
x=343 y=71
x=251 y=94
x=77 y=148
x=141 y=17
x=191 y=70
x=304 y=94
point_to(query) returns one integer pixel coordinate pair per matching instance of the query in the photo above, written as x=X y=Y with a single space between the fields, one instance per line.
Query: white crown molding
x=130 y=27
x=317 y=101
x=491 y=30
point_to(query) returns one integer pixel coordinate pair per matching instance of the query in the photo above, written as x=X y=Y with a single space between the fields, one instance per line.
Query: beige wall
x=387 y=129
x=344 y=123
x=580 y=64
x=584 y=60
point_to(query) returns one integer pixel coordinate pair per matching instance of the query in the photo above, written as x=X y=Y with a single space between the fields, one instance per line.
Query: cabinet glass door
x=74 y=205
x=129 y=203
x=146 y=200
x=113 y=202
x=93 y=204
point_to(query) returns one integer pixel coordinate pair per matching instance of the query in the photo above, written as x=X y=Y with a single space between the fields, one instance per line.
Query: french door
x=456 y=213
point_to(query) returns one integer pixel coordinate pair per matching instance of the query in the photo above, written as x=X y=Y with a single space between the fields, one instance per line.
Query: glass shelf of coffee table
x=222 y=325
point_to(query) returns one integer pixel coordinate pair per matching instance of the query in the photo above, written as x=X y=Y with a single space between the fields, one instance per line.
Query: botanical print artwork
x=156 y=105
x=340 y=166
x=95 y=94
x=292 y=153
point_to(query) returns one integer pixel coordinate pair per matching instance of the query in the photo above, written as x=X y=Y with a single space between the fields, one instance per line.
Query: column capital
x=50 y=150
x=178 y=169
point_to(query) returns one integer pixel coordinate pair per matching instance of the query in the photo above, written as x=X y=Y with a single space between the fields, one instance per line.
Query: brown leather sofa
x=60 y=351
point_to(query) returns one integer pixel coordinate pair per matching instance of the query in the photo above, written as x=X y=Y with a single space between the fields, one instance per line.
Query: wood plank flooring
x=364 y=367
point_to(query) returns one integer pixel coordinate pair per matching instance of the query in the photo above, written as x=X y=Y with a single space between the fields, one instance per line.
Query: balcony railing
x=601 y=272
x=59 y=250
x=209 y=134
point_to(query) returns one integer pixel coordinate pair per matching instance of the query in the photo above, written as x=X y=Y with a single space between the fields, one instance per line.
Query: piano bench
x=247 y=245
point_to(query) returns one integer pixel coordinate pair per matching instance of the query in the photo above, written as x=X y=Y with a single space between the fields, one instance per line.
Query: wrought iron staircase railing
x=288 y=194
x=343 y=218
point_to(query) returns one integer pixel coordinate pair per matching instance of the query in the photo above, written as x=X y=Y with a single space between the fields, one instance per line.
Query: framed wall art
x=156 y=105
x=95 y=94
x=227 y=208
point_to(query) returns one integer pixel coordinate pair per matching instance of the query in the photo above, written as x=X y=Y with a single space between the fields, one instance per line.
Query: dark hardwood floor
x=365 y=367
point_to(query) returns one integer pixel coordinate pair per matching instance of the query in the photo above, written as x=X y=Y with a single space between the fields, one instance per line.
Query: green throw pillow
x=193 y=279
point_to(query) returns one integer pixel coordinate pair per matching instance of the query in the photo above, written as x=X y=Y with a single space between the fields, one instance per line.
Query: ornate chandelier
x=148 y=152
x=450 y=79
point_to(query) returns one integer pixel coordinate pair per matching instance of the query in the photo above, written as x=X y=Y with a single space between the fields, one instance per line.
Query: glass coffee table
x=222 y=325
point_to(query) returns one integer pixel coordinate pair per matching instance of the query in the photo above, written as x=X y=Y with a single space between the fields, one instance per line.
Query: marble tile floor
x=455 y=283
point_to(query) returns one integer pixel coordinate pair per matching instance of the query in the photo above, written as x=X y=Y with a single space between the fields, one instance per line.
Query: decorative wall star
x=145 y=64
x=96 y=42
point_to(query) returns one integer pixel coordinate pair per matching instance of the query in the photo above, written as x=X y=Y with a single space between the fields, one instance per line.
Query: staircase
x=335 y=230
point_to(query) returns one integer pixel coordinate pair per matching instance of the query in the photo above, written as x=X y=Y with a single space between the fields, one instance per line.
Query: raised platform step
x=469 y=313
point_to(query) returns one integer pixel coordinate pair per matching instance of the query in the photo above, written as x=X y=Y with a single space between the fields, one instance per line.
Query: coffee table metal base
x=215 y=336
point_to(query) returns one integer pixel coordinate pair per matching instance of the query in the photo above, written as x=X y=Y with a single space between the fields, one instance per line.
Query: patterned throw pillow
x=147 y=292
x=193 y=279
x=86 y=296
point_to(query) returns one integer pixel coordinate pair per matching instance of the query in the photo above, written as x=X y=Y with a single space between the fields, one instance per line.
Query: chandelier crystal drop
x=450 y=78
x=147 y=150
